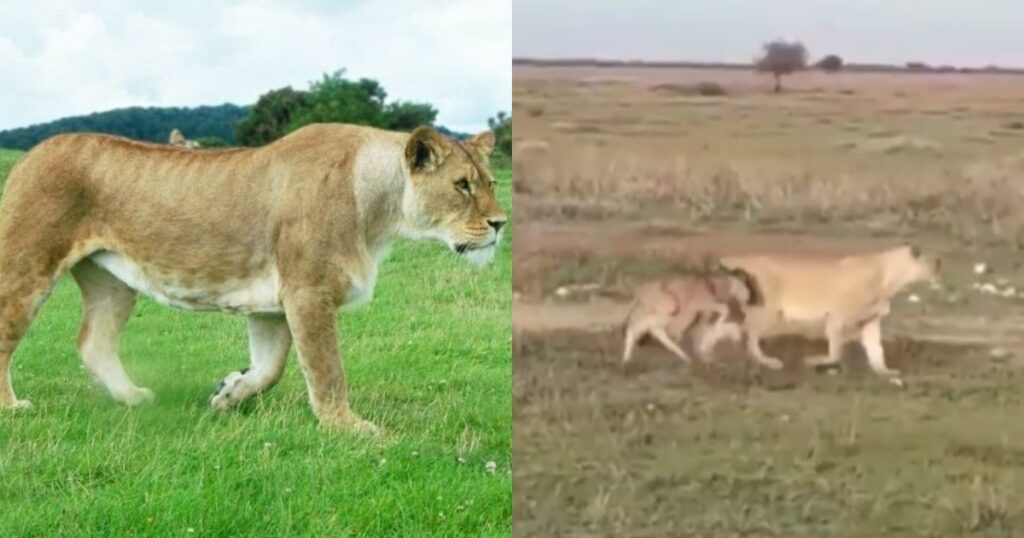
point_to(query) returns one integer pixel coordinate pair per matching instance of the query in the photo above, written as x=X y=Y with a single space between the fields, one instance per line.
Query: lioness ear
x=483 y=142
x=425 y=150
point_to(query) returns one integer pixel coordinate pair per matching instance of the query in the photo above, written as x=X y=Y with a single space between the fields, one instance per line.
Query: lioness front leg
x=759 y=356
x=755 y=325
x=721 y=329
x=311 y=319
x=269 y=342
x=871 y=339
x=835 y=332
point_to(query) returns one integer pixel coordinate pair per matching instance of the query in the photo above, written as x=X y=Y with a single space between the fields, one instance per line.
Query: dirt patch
x=729 y=449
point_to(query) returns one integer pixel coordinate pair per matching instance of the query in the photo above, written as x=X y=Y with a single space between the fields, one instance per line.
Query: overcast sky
x=69 y=57
x=957 y=32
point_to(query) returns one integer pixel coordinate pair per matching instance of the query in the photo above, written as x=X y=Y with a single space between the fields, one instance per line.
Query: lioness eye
x=463 y=184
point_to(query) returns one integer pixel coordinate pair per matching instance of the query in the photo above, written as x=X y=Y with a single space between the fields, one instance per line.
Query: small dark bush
x=704 y=88
x=830 y=63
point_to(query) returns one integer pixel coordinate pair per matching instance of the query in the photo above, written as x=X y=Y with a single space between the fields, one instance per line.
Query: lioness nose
x=496 y=224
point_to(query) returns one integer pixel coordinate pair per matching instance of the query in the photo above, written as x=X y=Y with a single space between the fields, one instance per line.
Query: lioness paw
x=227 y=394
x=350 y=422
x=18 y=405
x=138 y=396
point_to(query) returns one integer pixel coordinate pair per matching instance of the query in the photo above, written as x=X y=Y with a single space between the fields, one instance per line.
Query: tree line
x=151 y=124
x=332 y=99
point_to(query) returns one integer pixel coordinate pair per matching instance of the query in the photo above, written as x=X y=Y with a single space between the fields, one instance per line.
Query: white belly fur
x=259 y=294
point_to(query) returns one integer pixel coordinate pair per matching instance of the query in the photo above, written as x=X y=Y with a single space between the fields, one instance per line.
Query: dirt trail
x=602 y=315
x=611 y=238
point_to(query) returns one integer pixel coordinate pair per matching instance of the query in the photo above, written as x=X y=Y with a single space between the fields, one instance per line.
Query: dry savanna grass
x=890 y=150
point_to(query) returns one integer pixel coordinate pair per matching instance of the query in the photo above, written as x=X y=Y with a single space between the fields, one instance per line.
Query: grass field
x=623 y=173
x=885 y=149
x=428 y=361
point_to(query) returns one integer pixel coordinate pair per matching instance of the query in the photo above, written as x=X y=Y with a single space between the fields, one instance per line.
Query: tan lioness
x=284 y=234
x=847 y=296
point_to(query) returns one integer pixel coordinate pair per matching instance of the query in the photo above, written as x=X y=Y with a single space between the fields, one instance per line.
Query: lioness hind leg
x=106 y=303
x=270 y=339
x=660 y=335
x=22 y=292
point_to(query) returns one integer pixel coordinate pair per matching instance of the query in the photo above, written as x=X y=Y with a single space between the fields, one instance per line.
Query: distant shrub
x=211 y=142
x=918 y=66
x=704 y=88
x=709 y=88
x=830 y=63
x=501 y=125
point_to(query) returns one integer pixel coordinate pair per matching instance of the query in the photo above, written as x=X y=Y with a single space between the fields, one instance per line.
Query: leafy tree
x=362 y=102
x=270 y=118
x=502 y=127
x=406 y=116
x=830 y=63
x=335 y=99
x=332 y=99
x=782 y=57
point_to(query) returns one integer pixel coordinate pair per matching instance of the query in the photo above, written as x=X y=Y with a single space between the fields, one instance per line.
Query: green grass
x=429 y=360
x=7 y=160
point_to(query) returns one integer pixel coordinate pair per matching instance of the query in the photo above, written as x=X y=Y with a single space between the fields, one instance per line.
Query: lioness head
x=450 y=193
x=915 y=266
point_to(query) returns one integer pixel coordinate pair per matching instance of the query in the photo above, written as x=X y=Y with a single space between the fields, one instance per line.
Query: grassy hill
x=7 y=159
x=151 y=124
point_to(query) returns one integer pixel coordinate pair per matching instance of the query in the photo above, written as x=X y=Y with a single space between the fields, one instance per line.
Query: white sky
x=68 y=57
x=957 y=32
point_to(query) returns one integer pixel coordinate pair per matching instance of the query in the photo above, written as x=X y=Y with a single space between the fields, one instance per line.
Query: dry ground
x=622 y=179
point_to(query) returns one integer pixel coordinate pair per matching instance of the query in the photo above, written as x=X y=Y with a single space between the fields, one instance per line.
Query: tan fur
x=846 y=296
x=285 y=234
x=667 y=309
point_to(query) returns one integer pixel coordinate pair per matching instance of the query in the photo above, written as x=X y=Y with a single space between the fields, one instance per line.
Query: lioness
x=669 y=308
x=283 y=234
x=847 y=295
